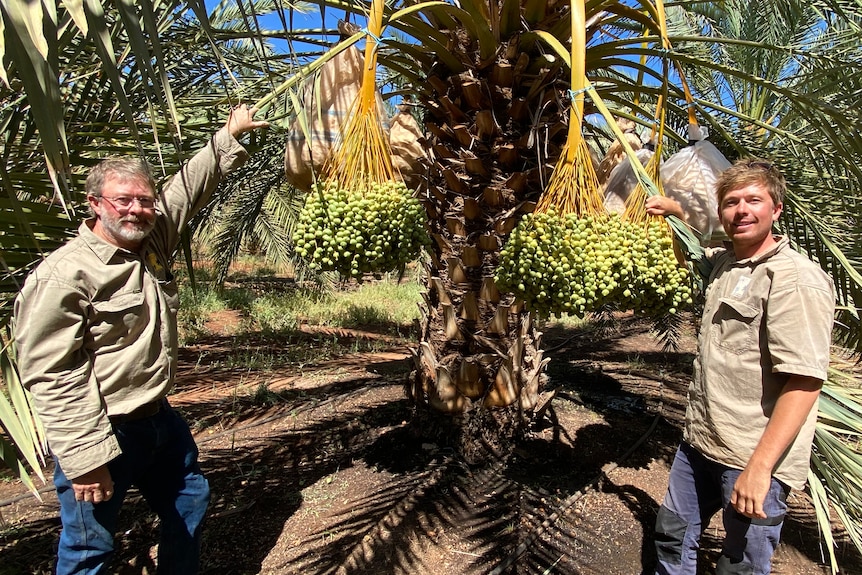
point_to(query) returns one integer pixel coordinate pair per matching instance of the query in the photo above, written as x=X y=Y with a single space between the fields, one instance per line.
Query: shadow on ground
x=320 y=471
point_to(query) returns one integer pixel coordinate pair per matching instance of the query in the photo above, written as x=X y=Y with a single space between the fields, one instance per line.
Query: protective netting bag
x=616 y=153
x=327 y=100
x=407 y=151
x=689 y=177
x=623 y=181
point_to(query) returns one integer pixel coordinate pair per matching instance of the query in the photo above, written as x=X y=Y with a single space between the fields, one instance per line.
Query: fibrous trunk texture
x=493 y=134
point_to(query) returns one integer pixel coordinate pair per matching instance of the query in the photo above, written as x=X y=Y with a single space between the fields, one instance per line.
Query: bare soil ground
x=315 y=469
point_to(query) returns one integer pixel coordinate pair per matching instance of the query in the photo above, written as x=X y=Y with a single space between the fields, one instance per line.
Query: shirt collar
x=103 y=250
x=781 y=241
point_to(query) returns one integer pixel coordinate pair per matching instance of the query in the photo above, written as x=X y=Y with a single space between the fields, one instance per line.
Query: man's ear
x=95 y=206
x=776 y=211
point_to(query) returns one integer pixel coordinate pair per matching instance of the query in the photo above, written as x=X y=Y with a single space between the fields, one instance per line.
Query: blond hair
x=748 y=171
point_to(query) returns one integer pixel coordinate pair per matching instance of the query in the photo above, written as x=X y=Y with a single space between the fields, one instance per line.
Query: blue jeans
x=697 y=489
x=160 y=458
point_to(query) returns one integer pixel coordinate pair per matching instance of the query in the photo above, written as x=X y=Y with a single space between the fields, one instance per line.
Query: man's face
x=125 y=212
x=747 y=215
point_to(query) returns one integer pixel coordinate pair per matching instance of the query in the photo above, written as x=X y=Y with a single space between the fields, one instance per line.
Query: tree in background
x=780 y=79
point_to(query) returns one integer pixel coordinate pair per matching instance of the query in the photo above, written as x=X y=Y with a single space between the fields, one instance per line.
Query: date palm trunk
x=494 y=131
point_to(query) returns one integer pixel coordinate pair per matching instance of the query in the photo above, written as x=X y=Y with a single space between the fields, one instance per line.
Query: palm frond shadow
x=257 y=481
x=426 y=493
x=422 y=501
x=27 y=551
x=570 y=544
x=420 y=493
x=381 y=527
x=285 y=493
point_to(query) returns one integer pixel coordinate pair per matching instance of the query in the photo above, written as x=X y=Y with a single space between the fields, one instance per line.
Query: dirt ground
x=315 y=468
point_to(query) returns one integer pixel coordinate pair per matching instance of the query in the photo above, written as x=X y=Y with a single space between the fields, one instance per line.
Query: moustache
x=136 y=220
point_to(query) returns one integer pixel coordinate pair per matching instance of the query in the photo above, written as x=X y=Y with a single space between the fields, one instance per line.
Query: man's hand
x=749 y=493
x=663 y=206
x=798 y=397
x=95 y=486
x=241 y=120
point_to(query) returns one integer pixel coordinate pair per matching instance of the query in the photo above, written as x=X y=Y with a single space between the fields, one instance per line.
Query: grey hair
x=120 y=169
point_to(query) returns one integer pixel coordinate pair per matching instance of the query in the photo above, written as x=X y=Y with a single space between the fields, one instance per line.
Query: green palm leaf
x=780 y=79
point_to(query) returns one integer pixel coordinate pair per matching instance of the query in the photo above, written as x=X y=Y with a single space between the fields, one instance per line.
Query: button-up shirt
x=766 y=318
x=96 y=325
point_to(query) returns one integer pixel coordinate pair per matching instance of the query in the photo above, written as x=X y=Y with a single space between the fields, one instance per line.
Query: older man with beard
x=96 y=336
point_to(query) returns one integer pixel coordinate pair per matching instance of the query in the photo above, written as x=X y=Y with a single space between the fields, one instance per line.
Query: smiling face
x=747 y=214
x=125 y=227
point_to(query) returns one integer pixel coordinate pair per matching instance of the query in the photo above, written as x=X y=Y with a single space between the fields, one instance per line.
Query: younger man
x=763 y=350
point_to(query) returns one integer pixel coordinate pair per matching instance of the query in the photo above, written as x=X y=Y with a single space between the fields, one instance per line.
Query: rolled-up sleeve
x=799 y=320
x=191 y=188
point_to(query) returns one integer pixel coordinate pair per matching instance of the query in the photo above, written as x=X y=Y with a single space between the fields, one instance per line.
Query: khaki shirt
x=765 y=318
x=96 y=325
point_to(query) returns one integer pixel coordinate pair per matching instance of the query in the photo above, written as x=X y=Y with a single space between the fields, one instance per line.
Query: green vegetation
x=196 y=309
x=386 y=305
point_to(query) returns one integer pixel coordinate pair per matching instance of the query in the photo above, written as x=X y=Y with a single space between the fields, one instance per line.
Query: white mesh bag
x=689 y=177
x=622 y=181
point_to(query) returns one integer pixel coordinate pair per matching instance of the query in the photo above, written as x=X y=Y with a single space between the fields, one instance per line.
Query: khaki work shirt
x=96 y=325
x=765 y=318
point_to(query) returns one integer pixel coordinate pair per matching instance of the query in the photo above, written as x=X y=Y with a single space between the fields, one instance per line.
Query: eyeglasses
x=125 y=202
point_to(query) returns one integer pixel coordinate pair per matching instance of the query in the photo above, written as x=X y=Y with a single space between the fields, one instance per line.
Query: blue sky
x=310 y=19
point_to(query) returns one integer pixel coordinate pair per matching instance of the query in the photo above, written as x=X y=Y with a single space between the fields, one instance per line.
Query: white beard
x=120 y=226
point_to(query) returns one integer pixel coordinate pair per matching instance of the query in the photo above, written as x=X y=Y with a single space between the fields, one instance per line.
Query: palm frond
x=25 y=449
x=256 y=206
x=836 y=458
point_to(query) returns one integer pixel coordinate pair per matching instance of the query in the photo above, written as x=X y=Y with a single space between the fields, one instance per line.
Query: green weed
x=196 y=309
x=567 y=321
x=385 y=306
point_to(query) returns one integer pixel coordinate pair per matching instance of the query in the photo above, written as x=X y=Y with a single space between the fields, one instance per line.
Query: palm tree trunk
x=492 y=145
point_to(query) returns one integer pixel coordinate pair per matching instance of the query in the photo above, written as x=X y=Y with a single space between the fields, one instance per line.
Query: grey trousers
x=697 y=489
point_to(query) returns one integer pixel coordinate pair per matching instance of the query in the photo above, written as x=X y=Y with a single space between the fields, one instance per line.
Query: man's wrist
x=758 y=466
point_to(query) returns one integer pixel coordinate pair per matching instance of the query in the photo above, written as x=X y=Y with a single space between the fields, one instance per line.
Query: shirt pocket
x=165 y=280
x=122 y=317
x=172 y=296
x=734 y=325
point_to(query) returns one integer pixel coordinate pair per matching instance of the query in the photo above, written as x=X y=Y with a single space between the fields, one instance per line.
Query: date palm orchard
x=777 y=79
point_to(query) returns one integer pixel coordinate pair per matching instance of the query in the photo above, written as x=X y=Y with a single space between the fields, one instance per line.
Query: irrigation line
x=571 y=500
x=44 y=489
x=569 y=339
